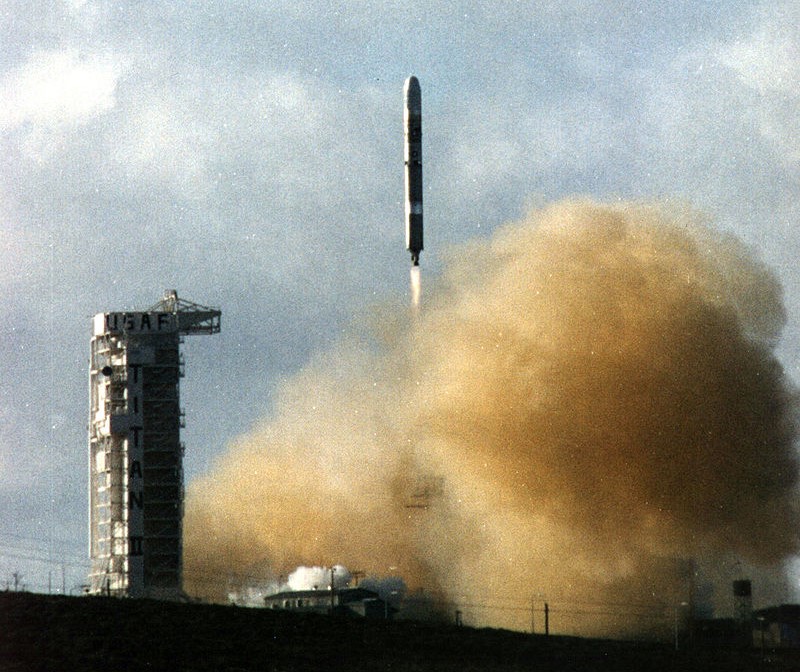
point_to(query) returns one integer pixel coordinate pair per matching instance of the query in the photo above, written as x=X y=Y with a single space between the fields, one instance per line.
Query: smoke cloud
x=588 y=410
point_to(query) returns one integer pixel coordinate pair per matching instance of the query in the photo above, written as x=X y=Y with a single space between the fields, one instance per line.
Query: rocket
x=412 y=121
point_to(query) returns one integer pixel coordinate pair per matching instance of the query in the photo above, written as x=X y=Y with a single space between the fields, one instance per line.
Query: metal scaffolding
x=135 y=451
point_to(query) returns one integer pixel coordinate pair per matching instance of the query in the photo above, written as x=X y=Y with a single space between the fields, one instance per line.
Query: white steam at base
x=317 y=578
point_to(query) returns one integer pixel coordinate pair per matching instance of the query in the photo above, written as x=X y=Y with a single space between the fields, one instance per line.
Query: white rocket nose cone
x=412 y=95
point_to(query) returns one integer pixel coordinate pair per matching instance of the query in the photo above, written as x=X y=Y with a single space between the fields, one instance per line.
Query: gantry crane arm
x=192 y=317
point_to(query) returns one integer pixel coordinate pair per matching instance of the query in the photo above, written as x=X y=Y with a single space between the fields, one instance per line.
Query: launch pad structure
x=136 y=488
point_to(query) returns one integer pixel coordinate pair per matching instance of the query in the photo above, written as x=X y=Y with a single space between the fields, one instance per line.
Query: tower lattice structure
x=135 y=450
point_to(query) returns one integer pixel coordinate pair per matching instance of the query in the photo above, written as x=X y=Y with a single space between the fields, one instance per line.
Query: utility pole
x=333 y=599
x=546 y=619
x=533 y=613
x=677 y=633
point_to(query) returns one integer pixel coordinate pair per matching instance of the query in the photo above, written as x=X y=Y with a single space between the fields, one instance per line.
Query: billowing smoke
x=392 y=589
x=594 y=396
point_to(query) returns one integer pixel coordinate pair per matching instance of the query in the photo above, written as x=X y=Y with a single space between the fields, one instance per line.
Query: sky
x=249 y=155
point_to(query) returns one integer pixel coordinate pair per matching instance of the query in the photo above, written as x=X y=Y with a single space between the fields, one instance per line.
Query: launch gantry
x=135 y=451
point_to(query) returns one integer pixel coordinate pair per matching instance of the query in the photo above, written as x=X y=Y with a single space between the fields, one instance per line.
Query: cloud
x=768 y=58
x=767 y=61
x=57 y=87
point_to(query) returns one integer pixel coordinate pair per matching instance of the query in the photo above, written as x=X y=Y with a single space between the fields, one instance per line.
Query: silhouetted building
x=348 y=601
x=777 y=627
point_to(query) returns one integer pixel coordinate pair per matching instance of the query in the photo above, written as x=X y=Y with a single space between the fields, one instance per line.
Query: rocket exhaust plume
x=416 y=286
x=601 y=400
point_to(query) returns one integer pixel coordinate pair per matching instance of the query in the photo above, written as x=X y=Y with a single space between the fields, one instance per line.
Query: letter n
x=136 y=499
x=135 y=546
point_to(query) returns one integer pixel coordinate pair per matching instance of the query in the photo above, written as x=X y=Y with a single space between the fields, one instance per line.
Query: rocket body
x=412 y=122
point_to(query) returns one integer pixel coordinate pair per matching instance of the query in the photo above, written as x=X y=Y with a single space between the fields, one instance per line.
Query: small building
x=777 y=627
x=714 y=633
x=348 y=601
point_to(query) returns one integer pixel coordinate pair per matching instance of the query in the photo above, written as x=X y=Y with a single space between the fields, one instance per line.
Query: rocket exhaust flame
x=600 y=396
x=416 y=286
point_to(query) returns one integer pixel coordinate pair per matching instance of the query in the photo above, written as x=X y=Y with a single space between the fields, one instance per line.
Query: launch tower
x=135 y=451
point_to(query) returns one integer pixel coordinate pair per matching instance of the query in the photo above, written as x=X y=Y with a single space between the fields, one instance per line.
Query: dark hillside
x=39 y=632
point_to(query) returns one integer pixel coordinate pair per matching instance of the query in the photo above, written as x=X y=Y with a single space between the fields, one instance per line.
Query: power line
x=35 y=539
x=17 y=555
